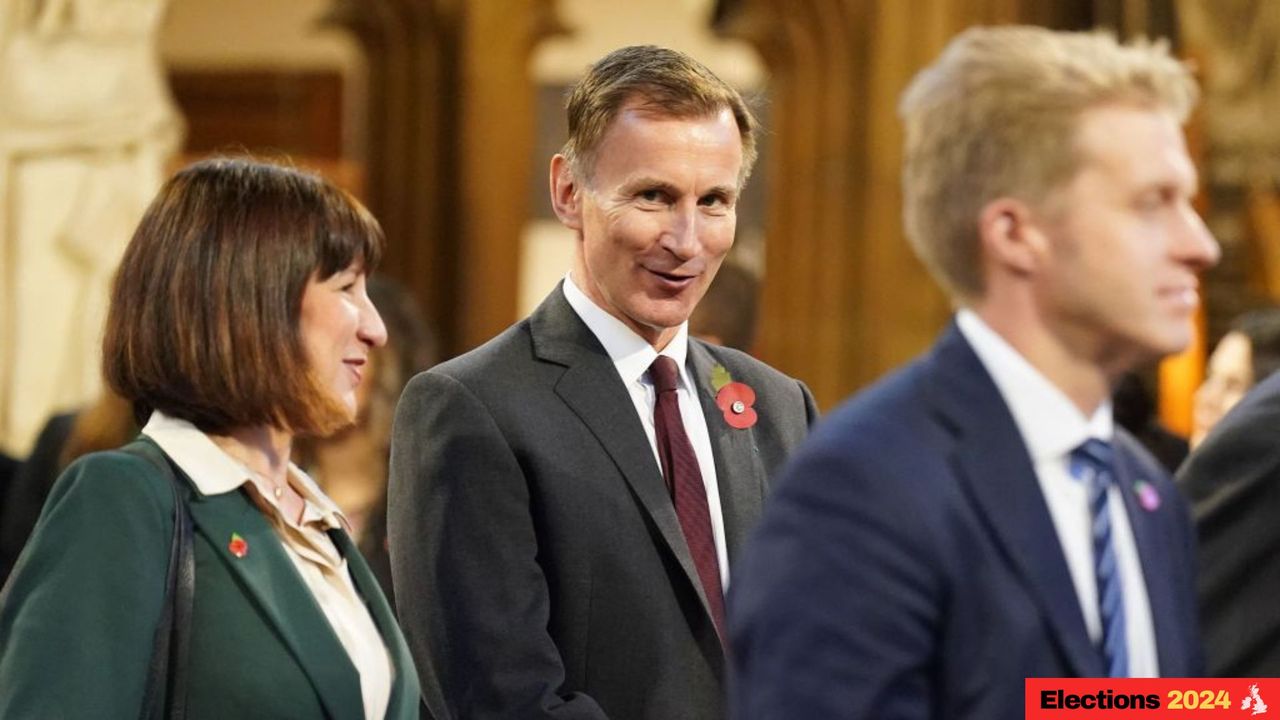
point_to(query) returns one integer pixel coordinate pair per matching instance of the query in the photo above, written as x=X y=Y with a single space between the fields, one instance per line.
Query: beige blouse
x=307 y=543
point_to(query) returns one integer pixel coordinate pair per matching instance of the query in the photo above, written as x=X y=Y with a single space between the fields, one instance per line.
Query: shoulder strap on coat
x=167 y=676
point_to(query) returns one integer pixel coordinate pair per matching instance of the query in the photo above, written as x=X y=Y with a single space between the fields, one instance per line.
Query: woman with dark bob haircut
x=238 y=322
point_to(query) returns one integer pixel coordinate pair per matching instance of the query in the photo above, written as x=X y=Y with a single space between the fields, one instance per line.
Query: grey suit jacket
x=538 y=563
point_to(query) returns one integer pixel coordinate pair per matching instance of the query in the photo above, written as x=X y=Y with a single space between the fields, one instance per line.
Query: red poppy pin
x=238 y=546
x=734 y=399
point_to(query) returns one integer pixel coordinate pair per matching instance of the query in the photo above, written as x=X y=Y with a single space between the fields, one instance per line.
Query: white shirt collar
x=214 y=472
x=631 y=354
x=1050 y=424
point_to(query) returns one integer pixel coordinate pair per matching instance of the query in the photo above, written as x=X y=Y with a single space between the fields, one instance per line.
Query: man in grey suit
x=566 y=500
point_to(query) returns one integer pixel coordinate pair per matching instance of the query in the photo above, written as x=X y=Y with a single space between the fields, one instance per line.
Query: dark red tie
x=684 y=481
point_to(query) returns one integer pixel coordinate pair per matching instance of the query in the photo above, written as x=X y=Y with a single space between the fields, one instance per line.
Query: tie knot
x=664 y=373
x=1093 y=454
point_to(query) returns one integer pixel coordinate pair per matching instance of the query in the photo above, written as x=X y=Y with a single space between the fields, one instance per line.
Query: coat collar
x=631 y=354
x=271 y=578
x=213 y=471
x=290 y=608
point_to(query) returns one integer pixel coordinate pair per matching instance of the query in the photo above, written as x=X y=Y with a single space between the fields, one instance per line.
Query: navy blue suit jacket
x=907 y=566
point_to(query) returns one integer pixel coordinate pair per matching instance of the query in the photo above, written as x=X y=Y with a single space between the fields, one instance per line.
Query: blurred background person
x=8 y=467
x=1232 y=479
x=106 y=424
x=238 y=320
x=1134 y=407
x=728 y=313
x=1244 y=357
x=351 y=466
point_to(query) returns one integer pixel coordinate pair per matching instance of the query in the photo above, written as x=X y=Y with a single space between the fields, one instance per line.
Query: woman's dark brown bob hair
x=205 y=307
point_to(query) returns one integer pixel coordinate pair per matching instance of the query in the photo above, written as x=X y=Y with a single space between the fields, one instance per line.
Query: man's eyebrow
x=648 y=183
x=1189 y=184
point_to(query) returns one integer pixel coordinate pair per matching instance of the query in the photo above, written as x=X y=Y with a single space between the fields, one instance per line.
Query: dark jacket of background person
x=33 y=478
x=108 y=525
x=8 y=468
x=1233 y=482
x=26 y=493
x=1135 y=410
x=106 y=424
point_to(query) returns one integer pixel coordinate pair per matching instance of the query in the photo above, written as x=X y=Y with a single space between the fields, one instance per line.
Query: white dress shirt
x=1051 y=427
x=307 y=544
x=632 y=355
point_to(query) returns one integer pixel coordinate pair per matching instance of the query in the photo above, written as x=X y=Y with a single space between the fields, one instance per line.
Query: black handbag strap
x=167 y=675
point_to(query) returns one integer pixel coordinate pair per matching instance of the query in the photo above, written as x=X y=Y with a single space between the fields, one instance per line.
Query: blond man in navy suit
x=977 y=518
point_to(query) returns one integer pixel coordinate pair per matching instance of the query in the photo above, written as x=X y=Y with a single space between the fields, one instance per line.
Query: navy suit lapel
x=268 y=574
x=1153 y=552
x=740 y=474
x=591 y=388
x=993 y=464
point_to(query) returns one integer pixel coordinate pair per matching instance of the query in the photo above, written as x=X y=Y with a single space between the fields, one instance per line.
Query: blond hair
x=667 y=83
x=996 y=116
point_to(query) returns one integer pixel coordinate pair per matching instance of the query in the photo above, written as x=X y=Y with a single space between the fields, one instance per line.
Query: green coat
x=78 y=614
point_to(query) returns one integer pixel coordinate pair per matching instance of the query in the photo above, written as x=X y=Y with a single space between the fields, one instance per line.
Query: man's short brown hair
x=997 y=116
x=667 y=82
x=205 y=307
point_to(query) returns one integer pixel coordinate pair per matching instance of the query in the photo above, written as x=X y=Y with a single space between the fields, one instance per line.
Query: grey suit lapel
x=591 y=388
x=740 y=474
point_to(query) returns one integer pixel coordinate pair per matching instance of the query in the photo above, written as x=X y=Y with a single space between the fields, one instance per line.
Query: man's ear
x=1011 y=240
x=565 y=193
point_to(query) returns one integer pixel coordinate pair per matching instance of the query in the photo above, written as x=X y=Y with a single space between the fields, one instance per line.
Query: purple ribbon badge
x=1148 y=496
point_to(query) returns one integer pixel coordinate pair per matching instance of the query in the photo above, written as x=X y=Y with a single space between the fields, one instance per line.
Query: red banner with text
x=1151 y=699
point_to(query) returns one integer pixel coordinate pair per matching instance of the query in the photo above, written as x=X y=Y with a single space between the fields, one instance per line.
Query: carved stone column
x=450 y=123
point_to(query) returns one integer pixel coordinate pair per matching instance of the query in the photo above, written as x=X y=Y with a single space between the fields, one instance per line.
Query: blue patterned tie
x=1091 y=463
